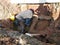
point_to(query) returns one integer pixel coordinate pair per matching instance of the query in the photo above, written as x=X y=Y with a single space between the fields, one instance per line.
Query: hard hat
x=12 y=18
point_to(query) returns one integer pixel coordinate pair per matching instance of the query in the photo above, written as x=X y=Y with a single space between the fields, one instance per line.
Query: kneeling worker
x=23 y=18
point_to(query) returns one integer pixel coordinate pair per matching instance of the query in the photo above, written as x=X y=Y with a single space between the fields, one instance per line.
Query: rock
x=13 y=34
x=15 y=38
x=3 y=33
x=27 y=40
x=6 y=33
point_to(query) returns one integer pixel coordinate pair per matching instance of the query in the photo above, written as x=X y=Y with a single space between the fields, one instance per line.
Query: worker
x=23 y=19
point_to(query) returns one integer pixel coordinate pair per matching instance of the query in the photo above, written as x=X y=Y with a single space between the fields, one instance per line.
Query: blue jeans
x=22 y=23
x=27 y=21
